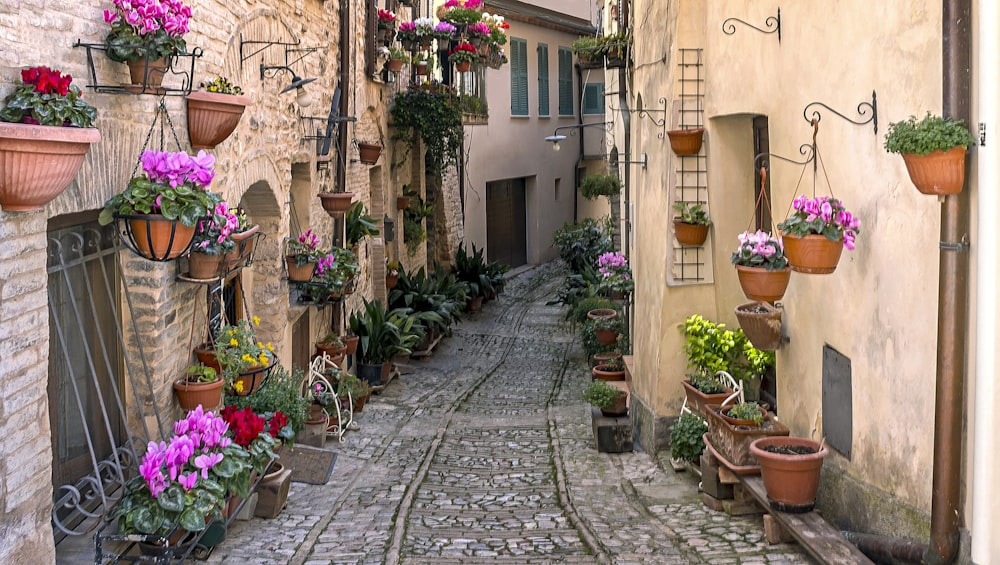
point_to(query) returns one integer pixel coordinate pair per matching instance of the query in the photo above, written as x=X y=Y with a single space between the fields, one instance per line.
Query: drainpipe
x=953 y=300
x=984 y=440
x=579 y=155
x=345 y=84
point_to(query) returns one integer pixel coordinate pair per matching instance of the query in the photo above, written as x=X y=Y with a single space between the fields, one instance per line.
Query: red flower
x=244 y=424
x=277 y=422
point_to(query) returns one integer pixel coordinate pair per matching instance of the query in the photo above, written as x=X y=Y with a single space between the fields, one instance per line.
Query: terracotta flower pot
x=698 y=400
x=336 y=203
x=402 y=202
x=205 y=353
x=618 y=408
x=191 y=395
x=602 y=314
x=395 y=65
x=690 y=235
x=422 y=68
x=474 y=304
x=37 y=163
x=812 y=254
x=606 y=336
x=157 y=238
x=369 y=153
x=147 y=73
x=733 y=443
x=391 y=281
x=761 y=323
x=604 y=373
x=686 y=141
x=203 y=265
x=351 y=343
x=463 y=67
x=212 y=117
x=603 y=357
x=298 y=273
x=938 y=172
x=245 y=243
x=760 y=284
x=791 y=479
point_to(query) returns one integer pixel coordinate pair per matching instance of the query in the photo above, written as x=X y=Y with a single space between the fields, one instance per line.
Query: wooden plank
x=820 y=539
x=629 y=361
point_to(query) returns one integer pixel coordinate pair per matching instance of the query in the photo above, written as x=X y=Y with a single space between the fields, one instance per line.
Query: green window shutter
x=518 y=77
x=543 y=79
x=593 y=98
x=565 y=82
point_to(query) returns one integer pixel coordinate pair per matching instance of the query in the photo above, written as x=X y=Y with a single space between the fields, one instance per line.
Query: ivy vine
x=436 y=118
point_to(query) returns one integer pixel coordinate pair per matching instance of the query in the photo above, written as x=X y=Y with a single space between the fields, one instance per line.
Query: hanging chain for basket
x=161 y=108
x=817 y=162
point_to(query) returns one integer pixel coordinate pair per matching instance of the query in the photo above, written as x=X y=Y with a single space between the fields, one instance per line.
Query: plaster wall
x=511 y=147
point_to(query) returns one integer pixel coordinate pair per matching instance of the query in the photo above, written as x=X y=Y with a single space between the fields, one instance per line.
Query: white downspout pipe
x=985 y=542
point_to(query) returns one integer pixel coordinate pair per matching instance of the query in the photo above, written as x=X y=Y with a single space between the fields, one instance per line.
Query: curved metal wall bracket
x=863 y=109
x=644 y=113
x=729 y=25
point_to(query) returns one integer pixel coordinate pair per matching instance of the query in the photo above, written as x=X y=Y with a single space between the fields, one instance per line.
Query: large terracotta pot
x=733 y=442
x=336 y=203
x=938 y=172
x=812 y=254
x=191 y=395
x=606 y=336
x=761 y=323
x=149 y=74
x=791 y=480
x=204 y=266
x=686 y=141
x=212 y=117
x=157 y=238
x=690 y=235
x=760 y=284
x=37 y=163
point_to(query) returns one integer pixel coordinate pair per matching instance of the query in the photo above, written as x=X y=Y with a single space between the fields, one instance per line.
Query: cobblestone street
x=483 y=453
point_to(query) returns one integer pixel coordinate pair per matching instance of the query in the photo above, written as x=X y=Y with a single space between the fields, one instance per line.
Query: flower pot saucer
x=742 y=470
x=186 y=277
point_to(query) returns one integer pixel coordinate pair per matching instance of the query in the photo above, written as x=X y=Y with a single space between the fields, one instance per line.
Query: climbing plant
x=436 y=118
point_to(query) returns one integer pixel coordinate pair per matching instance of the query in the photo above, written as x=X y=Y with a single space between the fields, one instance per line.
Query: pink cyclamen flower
x=206 y=462
x=188 y=481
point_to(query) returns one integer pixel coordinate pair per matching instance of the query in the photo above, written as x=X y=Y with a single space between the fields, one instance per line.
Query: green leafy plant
x=473 y=271
x=238 y=350
x=350 y=384
x=686 y=434
x=359 y=224
x=463 y=53
x=470 y=104
x=692 y=213
x=746 y=411
x=614 y=45
x=438 y=298
x=711 y=347
x=587 y=47
x=593 y=186
x=706 y=383
x=413 y=231
x=47 y=97
x=578 y=313
x=932 y=133
x=146 y=29
x=201 y=374
x=436 y=119
x=281 y=393
x=602 y=395
x=221 y=85
x=397 y=53
x=383 y=334
x=581 y=244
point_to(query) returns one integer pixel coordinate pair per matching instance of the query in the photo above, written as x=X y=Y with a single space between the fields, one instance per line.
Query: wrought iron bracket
x=647 y=113
x=863 y=109
x=806 y=149
x=729 y=25
x=260 y=46
x=643 y=160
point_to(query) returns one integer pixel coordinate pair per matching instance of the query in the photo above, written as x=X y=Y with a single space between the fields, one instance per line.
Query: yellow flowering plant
x=239 y=351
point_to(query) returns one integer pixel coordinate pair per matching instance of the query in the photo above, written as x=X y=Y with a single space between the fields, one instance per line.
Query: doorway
x=506 y=222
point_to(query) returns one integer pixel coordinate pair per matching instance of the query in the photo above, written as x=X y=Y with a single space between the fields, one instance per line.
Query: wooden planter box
x=698 y=400
x=733 y=442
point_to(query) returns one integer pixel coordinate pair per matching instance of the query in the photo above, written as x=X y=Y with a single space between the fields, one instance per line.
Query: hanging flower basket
x=938 y=172
x=156 y=238
x=690 y=235
x=758 y=283
x=297 y=273
x=395 y=65
x=204 y=266
x=336 y=203
x=812 y=254
x=37 y=163
x=212 y=117
x=463 y=66
x=369 y=153
x=686 y=141
x=761 y=323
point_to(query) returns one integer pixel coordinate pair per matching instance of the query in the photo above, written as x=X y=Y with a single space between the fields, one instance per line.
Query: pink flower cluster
x=760 y=243
x=179 y=168
x=831 y=212
x=309 y=239
x=611 y=264
x=408 y=26
x=324 y=264
x=192 y=451
x=479 y=28
x=219 y=231
x=146 y=17
x=468 y=4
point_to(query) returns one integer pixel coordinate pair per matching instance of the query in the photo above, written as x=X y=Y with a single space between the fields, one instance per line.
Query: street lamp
x=555 y=138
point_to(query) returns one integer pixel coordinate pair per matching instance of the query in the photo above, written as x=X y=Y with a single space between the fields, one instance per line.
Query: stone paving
x=484 y=454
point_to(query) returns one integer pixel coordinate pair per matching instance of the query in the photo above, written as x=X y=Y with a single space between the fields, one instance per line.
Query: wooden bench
x=820 y=539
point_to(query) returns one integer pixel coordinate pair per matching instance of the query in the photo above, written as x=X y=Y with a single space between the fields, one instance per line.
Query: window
x=565 y=82
x=593 y=98
x=518 y=77
x=543 y=79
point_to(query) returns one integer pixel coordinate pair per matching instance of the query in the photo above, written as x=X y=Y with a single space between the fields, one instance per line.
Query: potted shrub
x=712 y=348
x=691 y=227
x=332 y=278
x=244 y=359
x=214 y=112
x=472 y=270
x=686 y=443
x=686 y=141
x=593 y=186
x=702 y=389
x=761 y=266
x=587 y=49
x=200 y=386
x=358 y=390
x=146 y=39
x=301 y=256
x=607 y=329
x=332 y=346
x=614 y=48
x=581 y=244
x=162 y=207
x=45 y=132
x=816 y=233
x=462 y=56
x=611 y=400
x=611 y=370
x=382 y=334
x=397 y=57
x=790 y=468
x=281 y=394
x=933 y=150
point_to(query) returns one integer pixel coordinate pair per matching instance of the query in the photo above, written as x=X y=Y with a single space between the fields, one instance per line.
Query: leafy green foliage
x=692 y=213
x=349 y=383
x=413 y=232
x=601 y=394
x=593 y=186
x=932 y=133
x=582 y=243
x=436 y=118
x=184 y=203
x=201 y=374
x=686 y=437
x=592 y=346
x=747 y=411
x=470 y=104
x=50 y=109
x=473 y=271
x=706 y=383
x=383 y=334
x=281 y=393
x=439 y=295
x=711 y=348
x=579 y=311
x=359 y=224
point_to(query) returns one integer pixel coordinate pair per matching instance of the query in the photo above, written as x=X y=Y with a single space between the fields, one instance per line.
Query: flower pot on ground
x=933 y=150
x=602 y=314
x=761 y=266
x=368 y=153
x=611 y=400
x=612 y=370
x=383 y=334
x=790 y=468
x=761 y=322
x=370 y=373
x=733 y=442
x=45 y=132
x=686 y=141
x=817 y=232
x=201 y=386
x=214 y=113
x=336 y=203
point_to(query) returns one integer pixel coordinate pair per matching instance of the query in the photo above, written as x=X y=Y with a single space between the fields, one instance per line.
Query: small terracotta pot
x=191 y=395
x=395 y=65
x=791 y=480
x=606 y=336
x=402 y=202
x=153 y=71
x=690 y=235
x=760 y=284
x=603 y=373
x=212 y=117
x=203 y=265
x=299 y=273
x=245 y=243
x=618 y=408
x=686 y=141
x=603 y=357
x=391 y=281
x=351 y=343
x=369 y=153
x=336 y=203
x=812 y=254
x=602 y=314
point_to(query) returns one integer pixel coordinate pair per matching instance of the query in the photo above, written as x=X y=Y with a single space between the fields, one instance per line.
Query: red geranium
x=277 y=422
x=46 y=80
x=46 y=97
x=245 y=425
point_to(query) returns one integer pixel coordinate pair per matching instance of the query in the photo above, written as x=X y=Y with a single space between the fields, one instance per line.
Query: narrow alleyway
x=484 y=454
